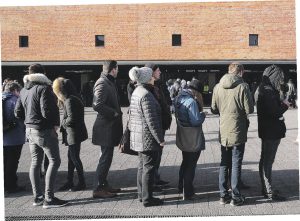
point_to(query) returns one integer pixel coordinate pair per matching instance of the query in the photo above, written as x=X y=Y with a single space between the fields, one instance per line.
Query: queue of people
x=36 y=108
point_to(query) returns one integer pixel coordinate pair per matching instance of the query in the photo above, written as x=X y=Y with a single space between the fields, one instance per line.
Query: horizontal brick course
x=210 y=31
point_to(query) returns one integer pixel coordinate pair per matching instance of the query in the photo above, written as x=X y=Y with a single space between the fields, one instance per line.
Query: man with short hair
x=37 y=106
x=232 y=101
x=13 y=137
x=108 y=128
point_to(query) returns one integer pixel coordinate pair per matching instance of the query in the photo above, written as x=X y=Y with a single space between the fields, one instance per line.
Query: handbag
x=124 y=146
x=189 y=139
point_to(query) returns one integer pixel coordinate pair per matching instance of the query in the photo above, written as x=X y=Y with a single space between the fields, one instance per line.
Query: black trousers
x=11 y=161
x=145 y=174
x=187 y=172
x=75 y=162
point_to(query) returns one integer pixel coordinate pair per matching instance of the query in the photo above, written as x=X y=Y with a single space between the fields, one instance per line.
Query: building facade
x=186 y=39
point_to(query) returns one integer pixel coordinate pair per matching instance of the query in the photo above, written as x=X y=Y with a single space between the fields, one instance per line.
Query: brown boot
x=112 y=190
x=103 y=194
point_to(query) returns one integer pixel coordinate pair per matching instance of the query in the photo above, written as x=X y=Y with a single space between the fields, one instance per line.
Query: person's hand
x=162 y=144
x=286 y=102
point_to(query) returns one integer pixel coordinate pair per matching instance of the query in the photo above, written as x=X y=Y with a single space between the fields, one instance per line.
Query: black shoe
x=237 y=201
x=225 y=200
x=78 y=187
x=55 y=202
x=157 y=189
x=38 y=201
x=66 y=186
x=161 y=183
x=17 y=189
x=191 y=197
x=153 y=202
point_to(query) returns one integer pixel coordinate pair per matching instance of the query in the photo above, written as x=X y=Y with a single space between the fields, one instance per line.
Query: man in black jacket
x=271 y=126
x=37 y=106
x=162 y=95
x=108 y=128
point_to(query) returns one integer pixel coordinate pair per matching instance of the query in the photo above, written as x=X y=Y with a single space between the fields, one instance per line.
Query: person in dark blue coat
x=188 y=109
x=13 y=137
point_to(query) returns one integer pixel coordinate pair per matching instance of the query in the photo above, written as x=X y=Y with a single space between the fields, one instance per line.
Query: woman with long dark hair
x=73 y=129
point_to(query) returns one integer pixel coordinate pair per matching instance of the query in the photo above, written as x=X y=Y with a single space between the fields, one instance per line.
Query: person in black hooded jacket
x=271 y=126
x=37 y=105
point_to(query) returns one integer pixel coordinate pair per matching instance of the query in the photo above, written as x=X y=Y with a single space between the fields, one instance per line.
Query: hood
x=183 y=96
x=229 y=81
x=274 y=76
x=7 y=95
x=35 y=79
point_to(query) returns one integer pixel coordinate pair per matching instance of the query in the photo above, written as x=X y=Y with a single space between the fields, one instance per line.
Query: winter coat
x=187 y=111
x=72 y=125
x=16 y=135
x=145 y=125
x=161 y=96
x=108 y=127
x=233 y=102
x=37 y=103
x=270 y=111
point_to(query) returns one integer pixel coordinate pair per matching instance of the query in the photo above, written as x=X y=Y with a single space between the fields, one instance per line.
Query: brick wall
x=210 y=31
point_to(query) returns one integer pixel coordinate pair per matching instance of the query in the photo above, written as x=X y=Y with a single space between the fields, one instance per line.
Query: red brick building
x=185 y=39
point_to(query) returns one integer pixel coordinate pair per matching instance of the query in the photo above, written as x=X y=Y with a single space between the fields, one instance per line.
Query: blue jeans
x=231 y=157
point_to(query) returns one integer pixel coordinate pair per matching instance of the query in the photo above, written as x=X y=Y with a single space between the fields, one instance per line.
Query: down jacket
x=233 y=102
x=37 y=103
x=145 y=125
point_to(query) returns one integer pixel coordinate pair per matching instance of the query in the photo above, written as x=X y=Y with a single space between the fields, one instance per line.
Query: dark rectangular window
x=23 y=41
x=253 y=40
x=176 y=40
x=99 y=40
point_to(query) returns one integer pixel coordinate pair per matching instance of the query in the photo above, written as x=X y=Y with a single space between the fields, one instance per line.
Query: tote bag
x=189 y=139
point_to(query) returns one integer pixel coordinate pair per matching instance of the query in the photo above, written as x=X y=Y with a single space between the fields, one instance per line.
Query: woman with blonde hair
x=73 y=129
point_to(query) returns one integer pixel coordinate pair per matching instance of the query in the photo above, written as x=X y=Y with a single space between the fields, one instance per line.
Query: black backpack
x=7 y=124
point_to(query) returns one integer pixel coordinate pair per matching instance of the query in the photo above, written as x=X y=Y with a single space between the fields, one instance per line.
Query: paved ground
x=123 y=175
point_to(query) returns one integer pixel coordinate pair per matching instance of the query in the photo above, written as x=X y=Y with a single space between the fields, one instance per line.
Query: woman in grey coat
x=146 y=133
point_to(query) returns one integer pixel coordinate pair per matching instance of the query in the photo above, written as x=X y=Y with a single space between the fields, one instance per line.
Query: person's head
x=274 y=75
x=155 y=69
x=236 y=68
x=110 y=67
x=12 y=87
x=196 y=85
x=142 y=75
x=36 y=68
x=63 y=88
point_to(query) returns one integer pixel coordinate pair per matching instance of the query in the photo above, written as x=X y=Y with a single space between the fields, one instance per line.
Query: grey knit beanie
x=140 y=75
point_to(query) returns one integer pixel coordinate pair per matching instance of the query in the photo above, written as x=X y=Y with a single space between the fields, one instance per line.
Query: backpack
x=7 y=124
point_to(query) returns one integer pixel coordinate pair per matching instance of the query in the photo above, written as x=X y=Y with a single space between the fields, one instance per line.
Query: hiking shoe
x=38 y=201
x=153 y=202
x=54 y=203
x=237 y=201
x=225 y=200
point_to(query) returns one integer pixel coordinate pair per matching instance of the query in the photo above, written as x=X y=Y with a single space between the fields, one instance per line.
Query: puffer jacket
x=187 y=111
x=16 y=135
x=233 y=102
x=145 y=124
x=37 y=103
x=270 y=108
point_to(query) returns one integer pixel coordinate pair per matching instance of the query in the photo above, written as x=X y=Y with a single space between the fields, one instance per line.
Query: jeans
x=145 y=174
x=103 y=167
x=11 y=161
x=40 y=142
x=75 y=162
x=187 y=172
x=267 y=157
x=231 y=157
